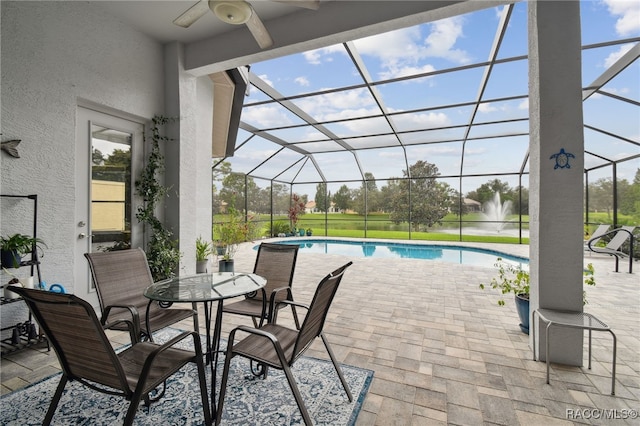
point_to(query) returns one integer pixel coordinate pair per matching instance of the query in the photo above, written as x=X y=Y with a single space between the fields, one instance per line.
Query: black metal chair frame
x=279 y=347
x=82 y=347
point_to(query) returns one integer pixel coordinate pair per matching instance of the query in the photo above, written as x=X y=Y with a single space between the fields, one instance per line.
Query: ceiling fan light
x=231 y=12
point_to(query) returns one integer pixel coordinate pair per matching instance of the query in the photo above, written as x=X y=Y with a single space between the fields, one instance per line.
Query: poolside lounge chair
x=279 y=347
x=120 y=278
x=596 y=236
x=86 y=355
x=614 y=246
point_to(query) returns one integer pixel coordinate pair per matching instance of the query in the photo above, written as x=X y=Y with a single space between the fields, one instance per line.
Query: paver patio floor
x=442 y=350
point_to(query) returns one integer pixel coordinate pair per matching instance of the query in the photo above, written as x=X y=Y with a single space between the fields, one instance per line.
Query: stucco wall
x=53 y=54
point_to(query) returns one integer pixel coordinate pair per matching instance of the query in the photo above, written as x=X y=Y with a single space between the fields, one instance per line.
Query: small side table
x=572 y=319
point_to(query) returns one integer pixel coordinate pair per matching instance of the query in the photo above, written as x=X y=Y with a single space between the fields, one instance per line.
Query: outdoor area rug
x=249 y=400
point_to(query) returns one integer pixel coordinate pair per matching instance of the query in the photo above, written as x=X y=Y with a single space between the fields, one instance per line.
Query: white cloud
x=350 y=103
x=629 y=15
x=422 y=121
x=442 y=39
x=265 y=116
x=486 y=108
x=613 y=57
x=403 y=52
x=524 y=104
x=302 y=81
x=317 y=56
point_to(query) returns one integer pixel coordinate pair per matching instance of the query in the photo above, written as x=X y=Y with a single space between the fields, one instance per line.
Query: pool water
x=380 y=249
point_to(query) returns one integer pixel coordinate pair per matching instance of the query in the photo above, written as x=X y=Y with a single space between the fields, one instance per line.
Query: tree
x=458 y=207
x=97 y=157
x=486 y=191
x=321 y=199
x=370 y=188
x=430 y=199
x=601 y=195
x=233 y=190
x=342 y=198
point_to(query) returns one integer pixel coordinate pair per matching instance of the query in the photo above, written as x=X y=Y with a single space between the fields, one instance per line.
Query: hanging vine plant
x=162 y=250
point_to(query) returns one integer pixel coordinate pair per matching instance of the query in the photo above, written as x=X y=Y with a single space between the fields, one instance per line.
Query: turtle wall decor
x=562 y=159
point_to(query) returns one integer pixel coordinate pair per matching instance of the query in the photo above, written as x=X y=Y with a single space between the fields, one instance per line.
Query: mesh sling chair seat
x=120 y=278
x=86 y=355
x=279 y=347
x=276 y=263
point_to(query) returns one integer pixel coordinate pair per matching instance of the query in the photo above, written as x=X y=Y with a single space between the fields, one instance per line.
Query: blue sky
x=436 y=46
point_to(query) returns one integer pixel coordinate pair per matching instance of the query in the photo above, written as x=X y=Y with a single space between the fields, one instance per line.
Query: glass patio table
x=206 y=288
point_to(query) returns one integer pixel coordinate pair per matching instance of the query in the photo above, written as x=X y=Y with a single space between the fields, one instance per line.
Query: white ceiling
x=212 y=45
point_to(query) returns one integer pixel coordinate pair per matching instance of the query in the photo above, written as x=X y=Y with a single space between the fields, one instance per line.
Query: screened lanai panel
x=310 y=71
x=252 y=153
x=304 y=171
x=321 y=146
x=499 y=129
x=433 y=136
x=446 y=156
x=603 y=21
x=298 y=134
x=270 y=115
x=596 y=60
x=496 y=155
x=337 y=166
x=340 y=105
x=359 y=127
x=430 y=119
x=437 y=90
x=627 y=83
x=277 y=163
x=364 y=142
x=515 y=39
x=607 y=146
x=613 y=116
x=516 y=109
x=383 y=163
x=507 y=79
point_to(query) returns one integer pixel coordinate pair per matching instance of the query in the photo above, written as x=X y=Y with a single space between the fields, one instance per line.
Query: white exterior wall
x=53 y=55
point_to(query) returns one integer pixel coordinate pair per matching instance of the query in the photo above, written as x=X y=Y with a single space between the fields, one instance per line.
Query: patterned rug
x=249 y=400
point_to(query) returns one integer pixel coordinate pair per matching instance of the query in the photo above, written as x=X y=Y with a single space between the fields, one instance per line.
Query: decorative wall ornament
x=562 y=159
x=11 y=147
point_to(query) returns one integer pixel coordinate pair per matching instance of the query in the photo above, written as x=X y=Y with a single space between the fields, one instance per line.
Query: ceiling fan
x=238 y=12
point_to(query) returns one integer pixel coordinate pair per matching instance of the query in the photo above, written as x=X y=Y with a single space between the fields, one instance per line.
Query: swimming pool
x=381 y=249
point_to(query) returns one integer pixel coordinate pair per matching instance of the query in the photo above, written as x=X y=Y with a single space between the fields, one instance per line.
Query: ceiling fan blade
x=192 y=14
x=259 y=31
x=307 y=4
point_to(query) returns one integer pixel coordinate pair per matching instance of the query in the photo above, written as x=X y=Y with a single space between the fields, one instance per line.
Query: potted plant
x=231 y=232
x=13 y=247
x=514 y=279
x=309 y=232
x=203 y=250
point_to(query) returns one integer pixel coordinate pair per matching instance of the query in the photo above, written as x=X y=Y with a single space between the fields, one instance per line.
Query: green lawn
x=379 y=226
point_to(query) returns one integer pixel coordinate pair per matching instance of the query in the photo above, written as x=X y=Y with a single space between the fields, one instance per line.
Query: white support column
x=556 y=185
x=188 y=210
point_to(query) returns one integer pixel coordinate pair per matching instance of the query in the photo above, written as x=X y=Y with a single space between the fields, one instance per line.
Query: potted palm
x=204 y=249
x=514 y=279
x=13 y=247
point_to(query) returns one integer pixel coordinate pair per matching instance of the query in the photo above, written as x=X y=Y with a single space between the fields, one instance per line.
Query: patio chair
x=86 y=355
x=613 y=247
x=279 y=347
x=276 y=263
x=596 y=236
x=120 y=278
